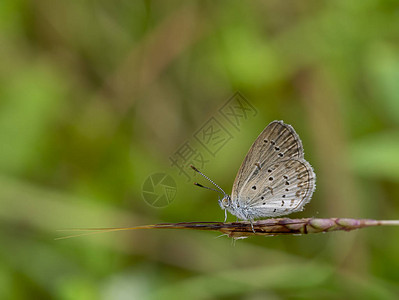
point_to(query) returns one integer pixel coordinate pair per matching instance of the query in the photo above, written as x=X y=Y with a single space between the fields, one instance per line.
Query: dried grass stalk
x=268 y=227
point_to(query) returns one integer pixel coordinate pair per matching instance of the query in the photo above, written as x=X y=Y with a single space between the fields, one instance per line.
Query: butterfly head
x=225 y=202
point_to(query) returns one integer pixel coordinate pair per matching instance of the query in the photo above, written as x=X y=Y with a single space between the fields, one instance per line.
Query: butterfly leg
x=225 y=215
x=252 y=225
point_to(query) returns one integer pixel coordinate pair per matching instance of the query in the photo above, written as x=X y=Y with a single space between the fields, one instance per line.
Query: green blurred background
x=95 y=96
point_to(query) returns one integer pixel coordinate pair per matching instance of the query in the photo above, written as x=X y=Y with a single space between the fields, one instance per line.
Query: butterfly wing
x=274 y=159
x=281 y=188
x=278 y=141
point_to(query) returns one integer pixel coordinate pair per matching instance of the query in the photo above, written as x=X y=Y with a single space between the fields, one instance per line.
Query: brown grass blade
x=268 y=227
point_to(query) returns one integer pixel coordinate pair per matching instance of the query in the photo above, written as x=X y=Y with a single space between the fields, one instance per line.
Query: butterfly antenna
x=200 y=185
x=208 y=188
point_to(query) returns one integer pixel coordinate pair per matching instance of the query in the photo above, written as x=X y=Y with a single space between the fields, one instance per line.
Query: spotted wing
x=277 y=142
x=281 y=188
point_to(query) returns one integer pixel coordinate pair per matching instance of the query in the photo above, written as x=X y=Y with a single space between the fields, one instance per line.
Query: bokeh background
x=95 y=96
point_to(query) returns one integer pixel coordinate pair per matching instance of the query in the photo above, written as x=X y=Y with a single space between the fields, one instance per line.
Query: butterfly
x=274 y=179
